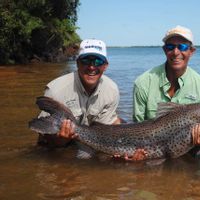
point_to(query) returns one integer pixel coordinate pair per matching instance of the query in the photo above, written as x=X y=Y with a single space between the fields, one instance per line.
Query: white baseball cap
x=93 y=47
x=179 y=31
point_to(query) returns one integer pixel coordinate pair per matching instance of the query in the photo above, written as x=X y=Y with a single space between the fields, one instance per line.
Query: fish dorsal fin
x=165 y=108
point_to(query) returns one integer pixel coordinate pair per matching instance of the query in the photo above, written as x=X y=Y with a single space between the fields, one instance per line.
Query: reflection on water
x=30 y=172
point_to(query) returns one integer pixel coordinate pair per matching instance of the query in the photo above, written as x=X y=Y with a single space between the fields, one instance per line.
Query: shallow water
x=30 y=172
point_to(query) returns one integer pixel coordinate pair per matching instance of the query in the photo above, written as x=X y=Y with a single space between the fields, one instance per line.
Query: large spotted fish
x=168 y=135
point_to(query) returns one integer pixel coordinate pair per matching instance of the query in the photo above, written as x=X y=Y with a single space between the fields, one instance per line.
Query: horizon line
x=116 y=46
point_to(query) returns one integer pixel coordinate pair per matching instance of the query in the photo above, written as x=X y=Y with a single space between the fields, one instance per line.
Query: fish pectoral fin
x=83 y=155
x=155 y=162
x=84 y=152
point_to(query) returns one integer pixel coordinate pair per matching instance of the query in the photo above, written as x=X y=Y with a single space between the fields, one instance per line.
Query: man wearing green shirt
x=173 y=81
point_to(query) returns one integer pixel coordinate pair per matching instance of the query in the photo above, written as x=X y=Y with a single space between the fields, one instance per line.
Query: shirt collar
x=163 y=78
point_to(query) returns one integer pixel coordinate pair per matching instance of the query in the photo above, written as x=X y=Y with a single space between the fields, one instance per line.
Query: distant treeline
x=36 y=29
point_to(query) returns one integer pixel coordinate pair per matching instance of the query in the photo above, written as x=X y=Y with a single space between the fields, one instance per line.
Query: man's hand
x=61 y=139
x=196 y=134
x=138 y=155
x=67 y=130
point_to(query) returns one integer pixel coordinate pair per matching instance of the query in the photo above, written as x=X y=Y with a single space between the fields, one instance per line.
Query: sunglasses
x=181 y=47
x=94 y=61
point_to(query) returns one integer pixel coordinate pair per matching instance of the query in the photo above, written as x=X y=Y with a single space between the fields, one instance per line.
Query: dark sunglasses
x=181 y=47
x=92 y=61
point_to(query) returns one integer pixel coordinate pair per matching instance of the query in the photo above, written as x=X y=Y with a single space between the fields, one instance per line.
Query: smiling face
x=89 y=73
x=177 y=60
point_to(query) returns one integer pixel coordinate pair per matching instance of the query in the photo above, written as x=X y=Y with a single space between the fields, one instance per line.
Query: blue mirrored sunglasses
x=94 y=61
x=181 y=47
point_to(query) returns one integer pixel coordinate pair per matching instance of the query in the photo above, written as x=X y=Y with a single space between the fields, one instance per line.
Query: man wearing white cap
x=173 y=81
x=90 y=95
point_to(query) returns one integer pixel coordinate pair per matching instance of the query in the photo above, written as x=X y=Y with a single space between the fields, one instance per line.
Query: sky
x=136 y=22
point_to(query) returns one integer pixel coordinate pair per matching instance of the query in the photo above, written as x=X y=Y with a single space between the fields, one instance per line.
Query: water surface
x=30 y=172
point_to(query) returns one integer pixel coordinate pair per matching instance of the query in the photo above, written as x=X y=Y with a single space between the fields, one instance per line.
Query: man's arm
x=139 y=104
x=119 y=121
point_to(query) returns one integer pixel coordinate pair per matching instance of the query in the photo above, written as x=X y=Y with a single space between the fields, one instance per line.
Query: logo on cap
x=95 y=47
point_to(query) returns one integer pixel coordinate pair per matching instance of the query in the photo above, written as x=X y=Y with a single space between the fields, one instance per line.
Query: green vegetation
x=36 y=29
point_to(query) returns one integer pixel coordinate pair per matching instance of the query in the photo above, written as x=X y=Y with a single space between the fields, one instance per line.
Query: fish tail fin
x=50 y=124
x=51 y=106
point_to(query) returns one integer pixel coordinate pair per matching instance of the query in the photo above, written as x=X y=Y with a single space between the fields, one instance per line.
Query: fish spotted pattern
x=168 y=135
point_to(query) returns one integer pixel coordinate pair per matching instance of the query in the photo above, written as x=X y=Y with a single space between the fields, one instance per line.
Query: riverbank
x=64 y=54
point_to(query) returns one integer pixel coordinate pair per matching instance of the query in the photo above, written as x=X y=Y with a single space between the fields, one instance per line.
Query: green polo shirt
x=151 y=88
